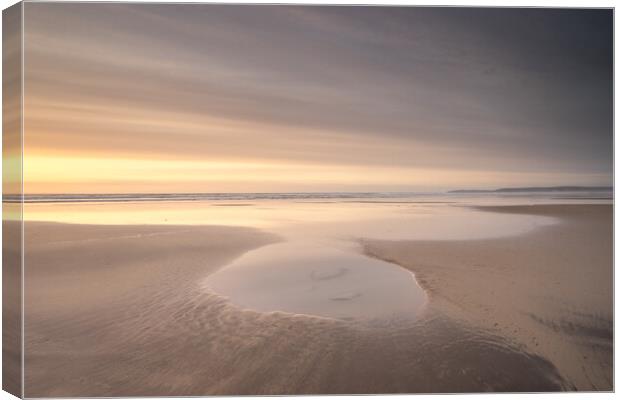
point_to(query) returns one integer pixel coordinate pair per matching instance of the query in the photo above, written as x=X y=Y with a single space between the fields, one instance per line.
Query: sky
x=123 y=98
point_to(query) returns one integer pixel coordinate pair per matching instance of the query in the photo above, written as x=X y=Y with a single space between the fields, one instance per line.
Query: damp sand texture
x=128 y=314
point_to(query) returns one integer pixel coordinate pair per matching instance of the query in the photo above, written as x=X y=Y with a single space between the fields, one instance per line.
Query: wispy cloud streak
x=521 y=91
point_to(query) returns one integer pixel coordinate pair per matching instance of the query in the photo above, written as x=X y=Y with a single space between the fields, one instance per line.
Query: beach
x=122 y=310
x=274 y=199
x=549 y=292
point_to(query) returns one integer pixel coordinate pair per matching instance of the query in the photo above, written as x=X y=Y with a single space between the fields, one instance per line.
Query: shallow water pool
x=315 y=279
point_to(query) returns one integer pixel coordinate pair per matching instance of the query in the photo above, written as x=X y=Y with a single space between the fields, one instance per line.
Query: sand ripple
x=128 y=317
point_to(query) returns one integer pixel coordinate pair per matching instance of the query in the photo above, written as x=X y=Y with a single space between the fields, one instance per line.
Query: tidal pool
x=317 y=270
x=319 y=280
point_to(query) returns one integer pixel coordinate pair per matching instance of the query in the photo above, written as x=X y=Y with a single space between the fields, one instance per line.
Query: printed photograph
x=228 y=199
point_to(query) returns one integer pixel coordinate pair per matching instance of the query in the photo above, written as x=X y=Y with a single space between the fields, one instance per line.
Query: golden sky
x=203 y=98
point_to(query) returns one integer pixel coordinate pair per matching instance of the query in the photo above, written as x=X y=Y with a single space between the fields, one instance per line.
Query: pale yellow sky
x=188 y=98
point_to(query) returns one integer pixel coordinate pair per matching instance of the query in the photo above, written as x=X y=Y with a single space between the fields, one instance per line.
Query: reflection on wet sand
x=139 y=323
x=128 y=314
x=549 y=292
x=303 y=219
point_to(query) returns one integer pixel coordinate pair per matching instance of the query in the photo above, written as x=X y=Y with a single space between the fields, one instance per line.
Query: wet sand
x=125 y=314
x=549 y=292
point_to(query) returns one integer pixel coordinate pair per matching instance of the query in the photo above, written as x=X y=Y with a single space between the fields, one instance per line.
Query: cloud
x=506 y=90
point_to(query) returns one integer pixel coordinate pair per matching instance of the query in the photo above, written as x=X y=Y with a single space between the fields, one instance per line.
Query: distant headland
x=539 y=189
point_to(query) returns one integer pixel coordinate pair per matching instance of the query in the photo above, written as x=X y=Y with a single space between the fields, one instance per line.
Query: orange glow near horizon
x=96 y=174
x=134 y=99
x=71 y=174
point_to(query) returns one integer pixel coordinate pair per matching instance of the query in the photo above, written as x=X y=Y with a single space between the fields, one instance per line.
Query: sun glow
x=46 y=174
x=71 y=174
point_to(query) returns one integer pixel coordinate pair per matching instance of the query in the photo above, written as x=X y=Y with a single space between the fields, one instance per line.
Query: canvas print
x=227 y=199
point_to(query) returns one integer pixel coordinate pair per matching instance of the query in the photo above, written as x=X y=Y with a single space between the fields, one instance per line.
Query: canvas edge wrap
x=12 y=200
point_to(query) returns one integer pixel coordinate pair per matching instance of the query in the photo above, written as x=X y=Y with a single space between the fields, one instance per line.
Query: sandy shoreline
x=124 y=315
x=548 y=292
